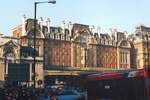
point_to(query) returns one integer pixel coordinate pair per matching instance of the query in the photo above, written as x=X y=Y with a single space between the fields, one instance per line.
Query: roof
x=116 y=75
x=4 y=41
x=104 y=75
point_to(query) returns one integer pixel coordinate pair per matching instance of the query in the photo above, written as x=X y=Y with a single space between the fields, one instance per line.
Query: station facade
x=73 y=48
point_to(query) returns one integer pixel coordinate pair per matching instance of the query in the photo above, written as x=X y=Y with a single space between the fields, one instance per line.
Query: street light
x=147 y=67
x=147 y=44
x=35 y=8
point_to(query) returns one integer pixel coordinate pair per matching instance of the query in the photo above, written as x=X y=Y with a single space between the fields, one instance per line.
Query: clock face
x=31 y=34
x=29 y=24
x=10 y=55
x=83 y=39
x=9 y=50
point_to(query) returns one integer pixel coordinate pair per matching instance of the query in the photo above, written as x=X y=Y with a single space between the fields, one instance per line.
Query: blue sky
x=124 y=15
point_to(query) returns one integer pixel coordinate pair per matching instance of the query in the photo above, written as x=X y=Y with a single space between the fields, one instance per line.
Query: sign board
x=18 y=72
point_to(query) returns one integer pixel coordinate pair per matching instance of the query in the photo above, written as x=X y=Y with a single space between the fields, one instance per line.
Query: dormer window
x=62 y=37
x=52 y=36
x=52 y=30
x=66 y=31
x=56 y=30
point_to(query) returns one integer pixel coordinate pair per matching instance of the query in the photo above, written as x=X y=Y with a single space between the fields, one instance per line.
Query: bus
x=121 y=85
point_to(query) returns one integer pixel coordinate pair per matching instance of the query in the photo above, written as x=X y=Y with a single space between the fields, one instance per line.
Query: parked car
x=70 y=94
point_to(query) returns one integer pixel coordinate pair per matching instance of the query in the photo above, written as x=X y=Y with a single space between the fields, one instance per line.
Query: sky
x=124 y=15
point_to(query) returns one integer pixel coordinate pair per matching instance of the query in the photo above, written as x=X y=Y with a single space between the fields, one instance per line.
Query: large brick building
x=141 y=43
x=73 y=48
x=84 y=49
x=24 y=33
x=9 y=53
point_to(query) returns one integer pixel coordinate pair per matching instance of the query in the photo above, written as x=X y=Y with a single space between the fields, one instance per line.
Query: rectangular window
x=50 y=56
x=57 y=56
x=67 y=57
x=74 y=56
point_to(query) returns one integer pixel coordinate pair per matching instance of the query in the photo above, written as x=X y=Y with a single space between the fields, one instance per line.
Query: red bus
x=124 y=85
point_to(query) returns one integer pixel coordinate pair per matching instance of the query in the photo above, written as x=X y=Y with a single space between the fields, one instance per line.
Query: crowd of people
x=25 y=93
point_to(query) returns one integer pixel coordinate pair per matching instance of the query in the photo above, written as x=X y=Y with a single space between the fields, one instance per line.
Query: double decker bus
x=120 y=85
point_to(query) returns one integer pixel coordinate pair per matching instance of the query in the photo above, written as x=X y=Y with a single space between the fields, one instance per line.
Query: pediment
x=80 y=32
x=39 y=34
x=124 y=44
x=9 y=48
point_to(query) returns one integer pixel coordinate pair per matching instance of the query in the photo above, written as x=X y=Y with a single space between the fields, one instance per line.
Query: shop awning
x=58 y=72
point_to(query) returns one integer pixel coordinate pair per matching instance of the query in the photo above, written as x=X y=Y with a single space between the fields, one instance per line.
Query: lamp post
x=147 y=44
x=35 y=22
x=147 y=67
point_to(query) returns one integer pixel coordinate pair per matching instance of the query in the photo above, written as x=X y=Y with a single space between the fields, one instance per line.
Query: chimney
x=110 y=32
x=1 y=35
x=70 y=27
x=98 y=29
x=93 y=29
x=48 y=22
x=115 y=34
x=41 y=22
x=23 y=24
x=63 y=26
x=125 y=34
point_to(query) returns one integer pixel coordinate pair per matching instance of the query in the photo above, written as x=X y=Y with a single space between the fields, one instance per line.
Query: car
x=69 y=94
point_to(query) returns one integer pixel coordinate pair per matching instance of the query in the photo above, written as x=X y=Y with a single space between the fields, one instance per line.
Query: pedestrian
x=53 y=97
